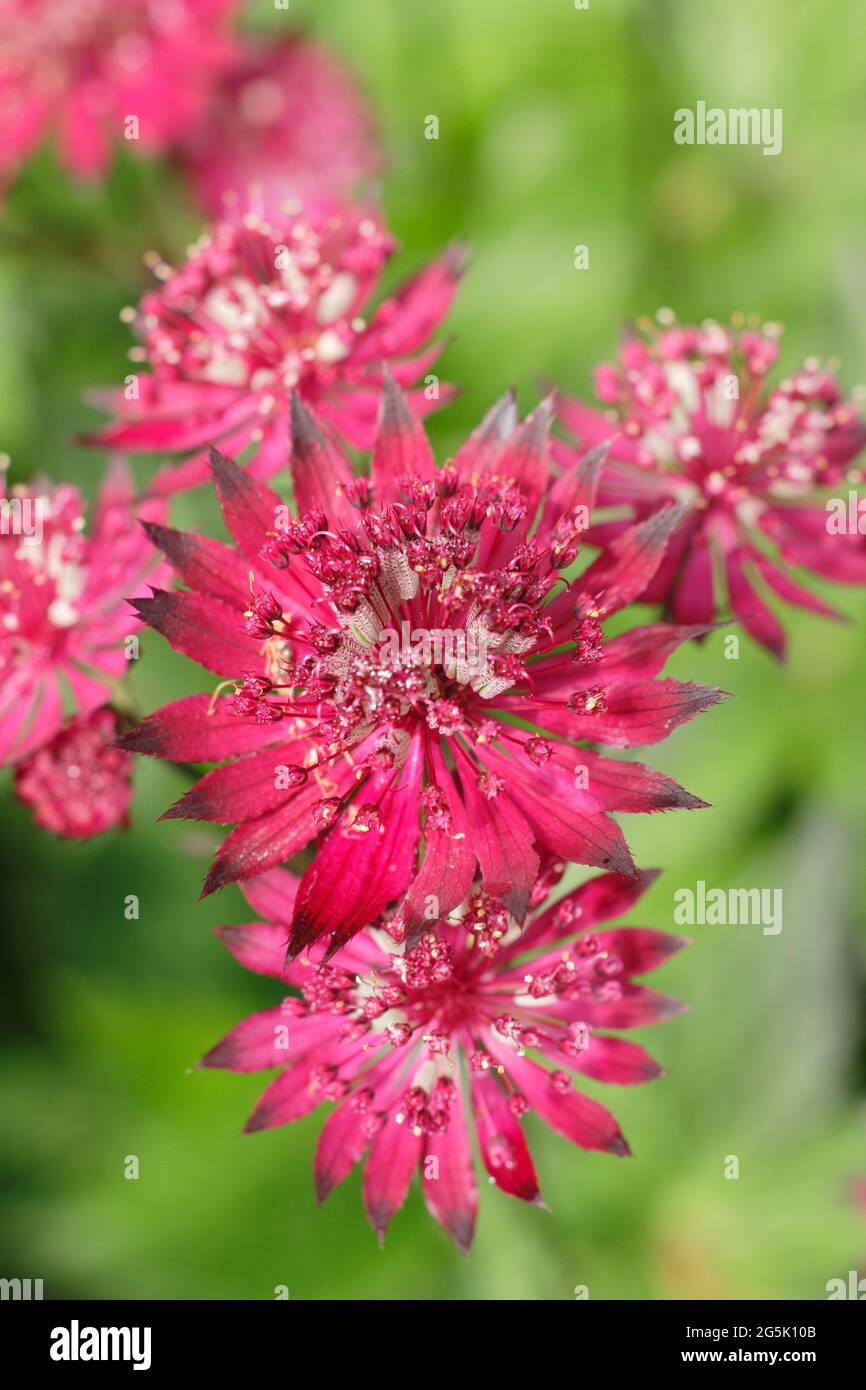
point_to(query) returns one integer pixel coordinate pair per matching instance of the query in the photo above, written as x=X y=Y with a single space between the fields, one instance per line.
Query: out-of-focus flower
x=286 y=123
x=64 y=616
x=691 y=419
x=261 y=314
x=408 y=657
x=386 y=1036
x=78 y=784
x=98 y=72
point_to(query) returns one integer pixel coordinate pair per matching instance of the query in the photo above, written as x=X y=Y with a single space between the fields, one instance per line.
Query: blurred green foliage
x=555 y=130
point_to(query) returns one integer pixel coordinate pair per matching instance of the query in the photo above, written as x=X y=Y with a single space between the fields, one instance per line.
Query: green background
x=556 y=129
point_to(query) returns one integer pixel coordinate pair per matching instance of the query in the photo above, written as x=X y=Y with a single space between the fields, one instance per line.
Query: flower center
x=693 y=402
x=449 y=992
x=38 y=596
x=426 y=635
x=264 y=309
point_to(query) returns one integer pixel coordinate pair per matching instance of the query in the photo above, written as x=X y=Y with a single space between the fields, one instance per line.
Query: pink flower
x=386 y=1037
x=259 y=315
x=286 y=122
x=78 y=785
x=64 y=616
x=350 y=730
x=692 y=419
x=98 y=72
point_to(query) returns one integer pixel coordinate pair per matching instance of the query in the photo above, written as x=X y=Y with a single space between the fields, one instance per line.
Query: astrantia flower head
x=479 y=1026
x=78 y=784
x=408 y=659
x=692 y=418
x=64 y=615
x=261 y=313
x=86 y=69
x=286 y=122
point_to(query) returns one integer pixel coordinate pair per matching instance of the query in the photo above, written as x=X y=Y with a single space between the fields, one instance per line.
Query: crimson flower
x=400 y=1042
x=78 y=784
x=261 y=313
x=691 y=419
x=87 y=68
x=64 y=616
x=286 y=122
x=407 y=657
